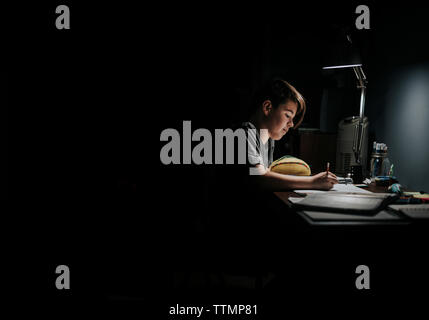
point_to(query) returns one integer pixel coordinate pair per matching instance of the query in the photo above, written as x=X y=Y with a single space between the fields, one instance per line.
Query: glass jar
x=385 y=167
x=379 y=163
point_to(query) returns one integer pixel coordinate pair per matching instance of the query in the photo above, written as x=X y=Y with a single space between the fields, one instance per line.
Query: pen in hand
x=327 y=169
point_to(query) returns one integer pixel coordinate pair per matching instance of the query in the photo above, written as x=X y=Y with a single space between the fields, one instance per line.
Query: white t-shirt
x=257 y=152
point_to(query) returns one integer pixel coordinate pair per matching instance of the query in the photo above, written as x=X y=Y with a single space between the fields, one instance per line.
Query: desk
x=284 y=196
x=391 y=249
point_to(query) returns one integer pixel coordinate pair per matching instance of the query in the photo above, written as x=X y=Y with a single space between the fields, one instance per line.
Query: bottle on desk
x=356 y=174
x=380 y=163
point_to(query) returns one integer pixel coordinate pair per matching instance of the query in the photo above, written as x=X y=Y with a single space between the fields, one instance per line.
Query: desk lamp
x=346 y=57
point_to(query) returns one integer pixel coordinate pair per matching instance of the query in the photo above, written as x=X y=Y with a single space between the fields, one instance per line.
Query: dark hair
x=279 y=91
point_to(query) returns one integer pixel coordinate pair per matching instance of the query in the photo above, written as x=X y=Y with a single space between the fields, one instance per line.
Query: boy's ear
x=267 y=106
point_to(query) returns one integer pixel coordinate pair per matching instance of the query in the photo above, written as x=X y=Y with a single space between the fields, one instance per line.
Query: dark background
x=88 y=107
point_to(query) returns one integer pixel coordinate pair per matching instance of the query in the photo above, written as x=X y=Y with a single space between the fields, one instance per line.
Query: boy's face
x=280 y=119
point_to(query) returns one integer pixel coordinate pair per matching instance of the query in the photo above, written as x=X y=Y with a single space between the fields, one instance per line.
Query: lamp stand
x=359 y=128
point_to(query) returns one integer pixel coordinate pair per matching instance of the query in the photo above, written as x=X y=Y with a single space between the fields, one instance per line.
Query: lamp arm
x=359 y=129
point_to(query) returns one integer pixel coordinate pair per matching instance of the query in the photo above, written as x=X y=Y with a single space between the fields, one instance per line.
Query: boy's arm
x=273 y=181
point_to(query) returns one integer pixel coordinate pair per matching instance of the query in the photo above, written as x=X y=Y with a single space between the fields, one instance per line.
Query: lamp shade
x=341 y=53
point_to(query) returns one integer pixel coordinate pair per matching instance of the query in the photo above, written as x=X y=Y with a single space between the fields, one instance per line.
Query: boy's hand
x=324 y=181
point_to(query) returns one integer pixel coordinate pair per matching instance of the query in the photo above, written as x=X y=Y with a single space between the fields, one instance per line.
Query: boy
x=277 y=106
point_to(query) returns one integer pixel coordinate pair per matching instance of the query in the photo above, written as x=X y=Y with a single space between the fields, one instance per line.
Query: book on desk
x=413 y=211
x=344 y=202
x=350 y=204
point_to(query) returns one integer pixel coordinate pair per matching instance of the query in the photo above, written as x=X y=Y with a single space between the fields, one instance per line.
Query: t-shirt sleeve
x=254 y=155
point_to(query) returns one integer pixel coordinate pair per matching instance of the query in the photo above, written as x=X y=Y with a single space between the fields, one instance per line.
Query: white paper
x=295 y=199
x=348 y=188
x=339 y=187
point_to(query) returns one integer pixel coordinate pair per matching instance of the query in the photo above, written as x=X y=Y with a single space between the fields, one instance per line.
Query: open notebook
x=354 y=203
